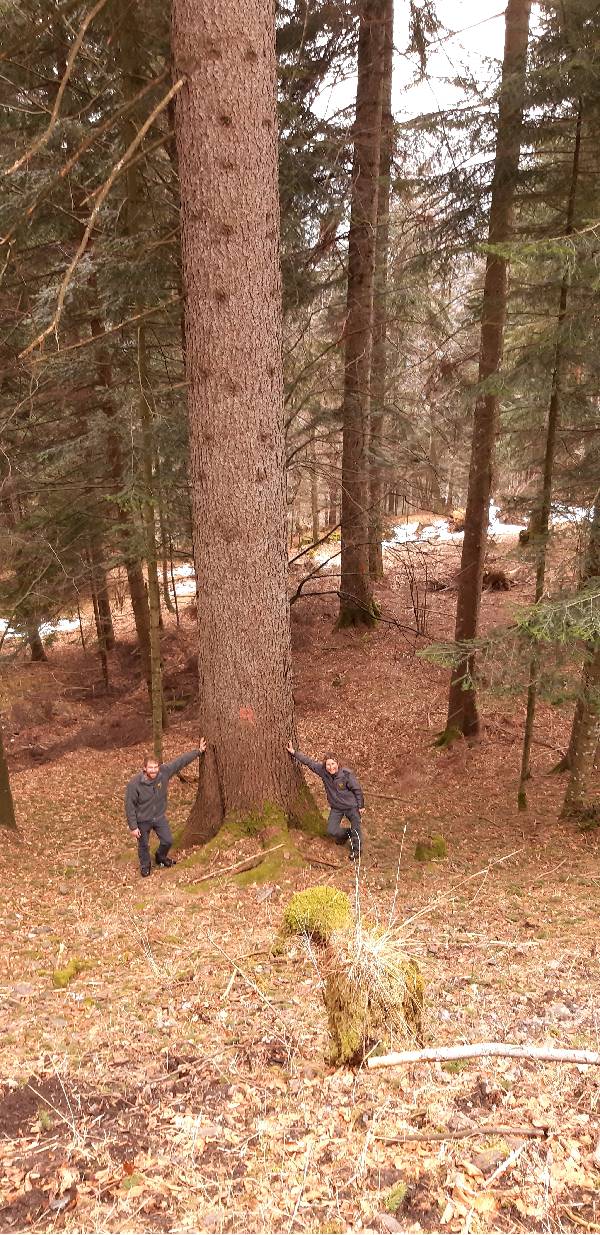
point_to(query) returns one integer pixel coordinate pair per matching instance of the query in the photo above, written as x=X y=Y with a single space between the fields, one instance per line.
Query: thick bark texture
x=227 y=148
x=7 y=810
x=379 y=358
x=462 y=706
x=356 y=601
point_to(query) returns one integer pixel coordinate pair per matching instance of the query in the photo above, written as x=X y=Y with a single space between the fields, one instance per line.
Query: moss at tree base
x=272 y=833
x=305 y=815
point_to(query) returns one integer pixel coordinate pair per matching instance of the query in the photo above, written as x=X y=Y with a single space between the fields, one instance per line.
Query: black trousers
x=165 y=839
x=340 y=834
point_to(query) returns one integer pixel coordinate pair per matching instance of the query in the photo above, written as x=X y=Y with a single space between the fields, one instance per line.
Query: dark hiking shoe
x=145 y=871
x=165 y=861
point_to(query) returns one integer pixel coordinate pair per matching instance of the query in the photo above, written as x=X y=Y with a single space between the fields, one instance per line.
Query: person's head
x=151 y=766
x=331 y=764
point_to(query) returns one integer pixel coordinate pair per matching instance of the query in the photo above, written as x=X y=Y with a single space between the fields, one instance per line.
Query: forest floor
x=179 y=1081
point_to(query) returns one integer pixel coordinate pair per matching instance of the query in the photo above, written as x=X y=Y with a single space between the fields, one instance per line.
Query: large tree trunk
x=7 y=809
x=356 y=600
x=227 y=146
x=379 y=358
x=462 y=706
x=542 y=514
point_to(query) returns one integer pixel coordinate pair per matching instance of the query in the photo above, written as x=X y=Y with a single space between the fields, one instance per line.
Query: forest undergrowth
x=163 y=1071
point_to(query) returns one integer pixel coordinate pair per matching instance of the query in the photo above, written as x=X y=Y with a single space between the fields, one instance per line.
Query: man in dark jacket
x=345 y=798
x=146 y=805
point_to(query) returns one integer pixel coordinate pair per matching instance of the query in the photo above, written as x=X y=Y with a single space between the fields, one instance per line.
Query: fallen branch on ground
x=477 y=1049
x=245 y=864
x=464 y=1133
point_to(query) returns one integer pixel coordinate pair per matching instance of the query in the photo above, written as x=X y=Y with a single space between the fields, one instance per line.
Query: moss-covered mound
x=373 y=992
x=434 y=849
x=318 y=912
x=373 y=996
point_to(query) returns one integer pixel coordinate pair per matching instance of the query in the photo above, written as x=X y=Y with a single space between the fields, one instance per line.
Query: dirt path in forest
x=167 y=1088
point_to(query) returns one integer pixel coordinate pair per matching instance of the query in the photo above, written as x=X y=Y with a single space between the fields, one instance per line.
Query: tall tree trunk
x=7 y=809
x=356 y=600
x=100 y=632
x=462 y=705
x=379 y=358
x=158 y=708
x=314 y=489
x=127 y=530
x=131 y=41
x=585 y=733
x=105 y=628
x=164 y=535
x=226 y=131
x=542 y=515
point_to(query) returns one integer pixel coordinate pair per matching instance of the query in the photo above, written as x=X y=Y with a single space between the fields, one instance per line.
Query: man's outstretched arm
x=169 y=769
x=308 y=763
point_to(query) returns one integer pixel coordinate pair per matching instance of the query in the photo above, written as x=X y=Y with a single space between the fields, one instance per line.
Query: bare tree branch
x=43 y=138
x=117 y=169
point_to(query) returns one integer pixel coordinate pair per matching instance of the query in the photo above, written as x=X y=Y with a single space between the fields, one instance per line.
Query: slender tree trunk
x=462 y=705
x=127 y=530
x=356 y=600
x=226 y=131
x=158 y=708
x=314 y=490
x=173 y=585
x=333 y=492
x=129 y=47
x=542 y=515
x=106 y=633
x=80 y=619
x=100 y=632
x=585 y=732
x=164 y=534
x=379 y=358
x=7 y=809
x=588 y=736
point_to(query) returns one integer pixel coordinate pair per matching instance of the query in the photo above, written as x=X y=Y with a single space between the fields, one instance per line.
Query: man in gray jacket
x=146 y=805
x=345 y=798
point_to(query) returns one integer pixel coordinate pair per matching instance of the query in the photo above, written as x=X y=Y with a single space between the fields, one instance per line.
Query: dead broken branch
x=466 y=1134
x=476 y=1050
x=245 y=864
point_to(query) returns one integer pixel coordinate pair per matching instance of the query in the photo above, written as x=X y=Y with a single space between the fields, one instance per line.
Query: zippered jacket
x=343 y=790
x=146 y=799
